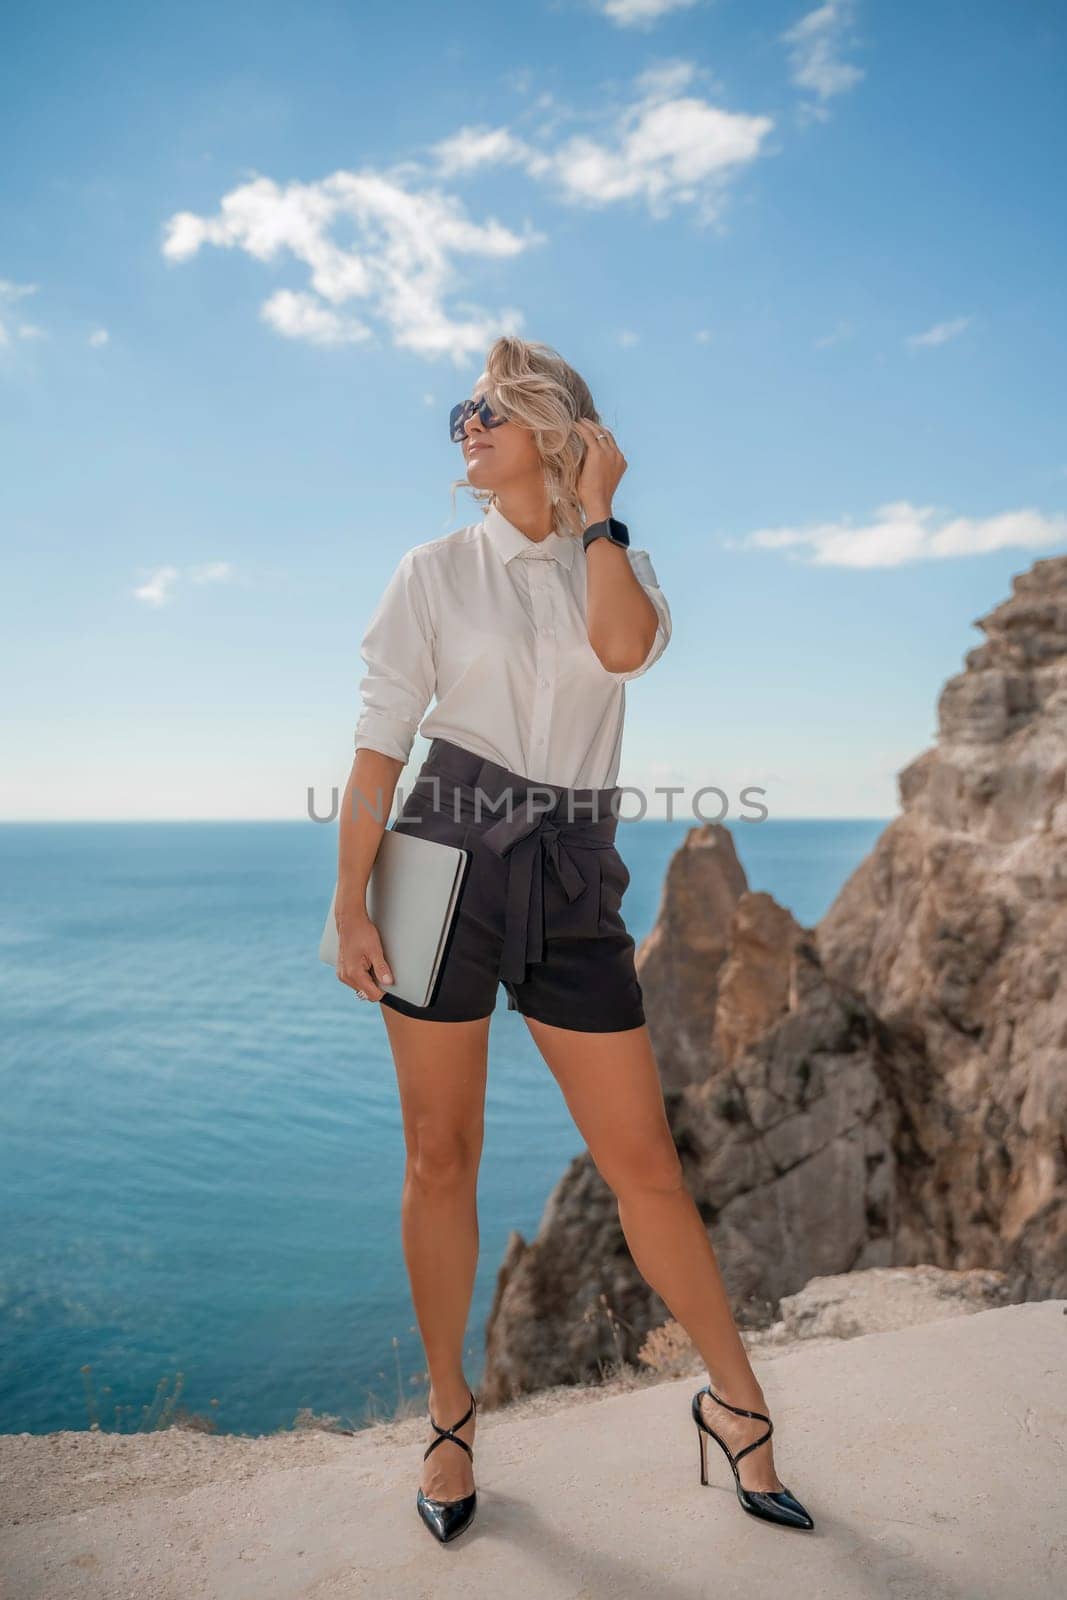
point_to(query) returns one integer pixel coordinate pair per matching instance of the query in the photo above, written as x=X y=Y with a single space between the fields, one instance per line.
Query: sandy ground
x=932 y=1459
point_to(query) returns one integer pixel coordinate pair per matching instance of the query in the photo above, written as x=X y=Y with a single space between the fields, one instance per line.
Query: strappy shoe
x=447 y=1518
x=775 y=1505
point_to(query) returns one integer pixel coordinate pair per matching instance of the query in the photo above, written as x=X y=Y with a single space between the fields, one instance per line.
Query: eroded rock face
x=955 y=931
x=681 y=960
x=884 y=1090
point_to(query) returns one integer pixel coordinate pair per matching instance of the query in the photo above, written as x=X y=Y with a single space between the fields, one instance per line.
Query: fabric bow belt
x=532 y=845
x=533 y=839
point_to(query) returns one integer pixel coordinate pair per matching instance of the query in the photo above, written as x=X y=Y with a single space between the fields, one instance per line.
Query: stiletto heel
x=774 y=1505
x=447 y=1518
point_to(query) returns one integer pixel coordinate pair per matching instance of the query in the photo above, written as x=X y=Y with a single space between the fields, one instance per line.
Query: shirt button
x=544 y=683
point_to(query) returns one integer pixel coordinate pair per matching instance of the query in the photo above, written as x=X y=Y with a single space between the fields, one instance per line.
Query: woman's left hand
x=602 y=468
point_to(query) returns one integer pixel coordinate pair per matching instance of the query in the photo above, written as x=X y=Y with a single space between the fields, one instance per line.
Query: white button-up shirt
x=494 y=624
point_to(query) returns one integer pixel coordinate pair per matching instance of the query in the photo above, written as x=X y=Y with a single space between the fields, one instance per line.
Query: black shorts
x=540 y=906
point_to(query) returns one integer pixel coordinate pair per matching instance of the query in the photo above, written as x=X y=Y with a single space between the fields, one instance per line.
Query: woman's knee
x=647 y=1169
x=443 y=1157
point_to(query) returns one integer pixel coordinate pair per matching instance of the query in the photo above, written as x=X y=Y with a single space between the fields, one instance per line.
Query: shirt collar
x=510 y=541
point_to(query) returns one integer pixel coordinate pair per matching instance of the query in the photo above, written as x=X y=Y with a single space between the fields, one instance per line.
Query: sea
x=200 y=1133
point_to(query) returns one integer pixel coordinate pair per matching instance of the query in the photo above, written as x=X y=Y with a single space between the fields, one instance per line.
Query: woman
x=526 y=625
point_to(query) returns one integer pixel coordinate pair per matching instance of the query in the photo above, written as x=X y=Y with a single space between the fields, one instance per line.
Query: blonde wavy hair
x=531 y=384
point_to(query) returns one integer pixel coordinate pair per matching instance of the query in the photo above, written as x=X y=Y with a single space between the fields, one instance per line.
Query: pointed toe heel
x=448 y=1518
x=773 y=1505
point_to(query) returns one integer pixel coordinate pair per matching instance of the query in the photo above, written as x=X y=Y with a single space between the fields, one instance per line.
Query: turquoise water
x=201 y=1139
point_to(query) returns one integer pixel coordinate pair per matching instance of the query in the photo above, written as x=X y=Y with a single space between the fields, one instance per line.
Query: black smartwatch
x=611 y=528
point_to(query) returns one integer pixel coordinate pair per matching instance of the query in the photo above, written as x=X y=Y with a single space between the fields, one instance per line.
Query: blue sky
x=808 y=260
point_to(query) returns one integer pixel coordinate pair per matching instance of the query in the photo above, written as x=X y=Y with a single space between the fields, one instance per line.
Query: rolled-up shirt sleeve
x=399 y=649
x=645 y=573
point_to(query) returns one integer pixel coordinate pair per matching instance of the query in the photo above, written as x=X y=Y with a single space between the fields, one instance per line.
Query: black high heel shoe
x=447 y=1518
x=775 y=1505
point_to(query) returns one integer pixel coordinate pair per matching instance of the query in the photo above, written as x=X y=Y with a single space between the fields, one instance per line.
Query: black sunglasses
x=461 y=414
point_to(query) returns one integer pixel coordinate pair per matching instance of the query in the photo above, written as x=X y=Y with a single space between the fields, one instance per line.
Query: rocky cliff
x=885 y=1089
x=955 y=931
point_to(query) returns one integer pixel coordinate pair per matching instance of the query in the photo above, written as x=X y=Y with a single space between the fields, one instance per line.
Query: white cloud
x=816 y=42
x=901 y=533
x=160 y=586
x=627 y=337
x=640 y=13
x=98 y=337
x=401 y=267
x=10 y=294
x=156 y=590
x=401 y=237
x=211 y=572
x=304 y=316
x=941 y=332
x=472 y=148
x=663 y=156
x=666 y=149
x=30 y=330
x=665 y=78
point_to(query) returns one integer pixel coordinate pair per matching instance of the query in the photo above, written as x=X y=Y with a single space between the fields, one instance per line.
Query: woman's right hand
x=360 y=950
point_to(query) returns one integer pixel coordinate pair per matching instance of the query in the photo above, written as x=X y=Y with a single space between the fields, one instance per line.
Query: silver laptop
x=412 y=896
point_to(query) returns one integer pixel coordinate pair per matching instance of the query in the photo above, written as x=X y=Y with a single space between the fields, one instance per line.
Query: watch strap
x=608 y=528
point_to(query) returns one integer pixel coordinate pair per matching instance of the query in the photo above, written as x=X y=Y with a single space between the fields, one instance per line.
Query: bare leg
x=441 y=1073
x=611 y=1085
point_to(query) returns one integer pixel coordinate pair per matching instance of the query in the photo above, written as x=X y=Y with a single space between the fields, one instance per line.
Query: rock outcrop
x=955 y=931
x=886 y=1089
x=886 y=1298
x=681 y=960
